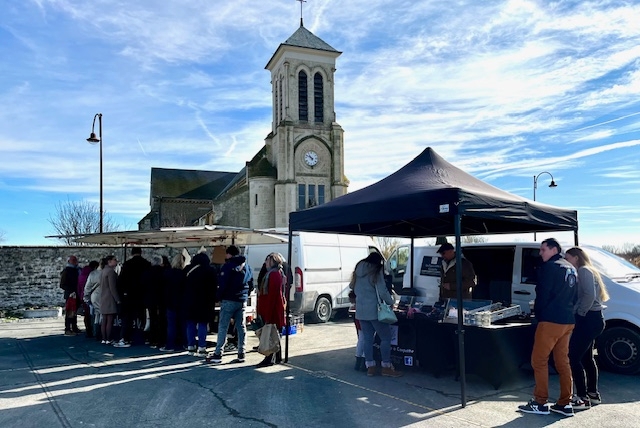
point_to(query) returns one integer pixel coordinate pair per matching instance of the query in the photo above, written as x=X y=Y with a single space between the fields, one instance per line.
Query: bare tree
x=387 y=245
x=79 y=217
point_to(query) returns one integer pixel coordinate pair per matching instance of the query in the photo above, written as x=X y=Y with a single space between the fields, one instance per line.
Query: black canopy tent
x=429 y=197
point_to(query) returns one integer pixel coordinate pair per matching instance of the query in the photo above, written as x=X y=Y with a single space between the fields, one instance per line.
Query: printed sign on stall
x=430 y=266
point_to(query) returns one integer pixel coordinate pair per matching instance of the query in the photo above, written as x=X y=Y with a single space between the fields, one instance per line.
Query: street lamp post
x=535 y=186
x=93 y=140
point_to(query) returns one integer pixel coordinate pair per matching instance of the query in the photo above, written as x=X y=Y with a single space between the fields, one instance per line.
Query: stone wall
x=30 y=276
x=234 y=208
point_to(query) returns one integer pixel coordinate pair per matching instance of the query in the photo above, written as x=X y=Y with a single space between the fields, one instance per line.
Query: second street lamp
x=535 y=186
x=93 y=140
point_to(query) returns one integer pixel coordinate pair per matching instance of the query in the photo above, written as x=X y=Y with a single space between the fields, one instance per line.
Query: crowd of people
x=170 y=304
x=180 y=302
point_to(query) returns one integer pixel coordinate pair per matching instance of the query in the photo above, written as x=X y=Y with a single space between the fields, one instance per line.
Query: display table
x=495 y=353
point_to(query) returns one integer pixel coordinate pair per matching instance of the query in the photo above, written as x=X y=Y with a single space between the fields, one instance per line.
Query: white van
x=322 y=264
x=506 y=272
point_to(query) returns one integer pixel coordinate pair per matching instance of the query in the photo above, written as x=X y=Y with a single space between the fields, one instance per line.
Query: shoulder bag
x=385 y=313
x=269 y=339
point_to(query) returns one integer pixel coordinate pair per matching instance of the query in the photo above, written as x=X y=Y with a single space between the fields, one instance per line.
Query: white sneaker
x=202 y=352
x=121 y=344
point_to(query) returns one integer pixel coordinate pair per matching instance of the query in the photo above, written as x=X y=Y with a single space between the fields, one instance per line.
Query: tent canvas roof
x=185 y=236
x=421 y=200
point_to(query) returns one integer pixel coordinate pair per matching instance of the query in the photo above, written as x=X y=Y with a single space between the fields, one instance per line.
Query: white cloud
x=503 y=89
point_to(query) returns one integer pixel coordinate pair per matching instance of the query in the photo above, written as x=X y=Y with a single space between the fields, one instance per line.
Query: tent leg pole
x=411 y=263
x=460 y=331
x=288 y=297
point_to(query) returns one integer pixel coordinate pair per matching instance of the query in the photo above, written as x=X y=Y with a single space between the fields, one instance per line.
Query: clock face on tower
x=311 y=158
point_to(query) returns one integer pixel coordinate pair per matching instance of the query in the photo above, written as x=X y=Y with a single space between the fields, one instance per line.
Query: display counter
x=494 y=353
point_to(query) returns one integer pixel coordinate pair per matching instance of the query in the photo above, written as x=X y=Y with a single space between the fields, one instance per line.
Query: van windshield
x=612 y=266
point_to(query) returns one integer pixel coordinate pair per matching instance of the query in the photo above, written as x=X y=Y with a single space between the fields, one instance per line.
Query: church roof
x=237 y=178
x=263 y=168
x=306 y=39
x=303 y=38
x=188 y=184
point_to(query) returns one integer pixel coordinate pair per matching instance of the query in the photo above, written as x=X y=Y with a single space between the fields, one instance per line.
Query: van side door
x=397 y=264
x=525 y=276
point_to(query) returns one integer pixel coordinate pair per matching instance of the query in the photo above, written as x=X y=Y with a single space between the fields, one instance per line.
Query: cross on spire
x=301 y=1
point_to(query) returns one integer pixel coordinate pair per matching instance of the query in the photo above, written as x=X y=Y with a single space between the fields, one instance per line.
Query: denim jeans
x=191 y=334
x=230 y=309
x=583 y=366
x=368 y=329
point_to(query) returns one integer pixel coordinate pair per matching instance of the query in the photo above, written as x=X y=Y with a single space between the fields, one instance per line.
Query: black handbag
x=256 y=324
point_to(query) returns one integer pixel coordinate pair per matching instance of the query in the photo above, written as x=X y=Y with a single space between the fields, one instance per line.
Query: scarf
x=264 y=287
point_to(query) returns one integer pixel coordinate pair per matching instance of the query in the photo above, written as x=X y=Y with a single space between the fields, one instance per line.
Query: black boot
x=359 y=363
x=268 y=361
x=278 y=357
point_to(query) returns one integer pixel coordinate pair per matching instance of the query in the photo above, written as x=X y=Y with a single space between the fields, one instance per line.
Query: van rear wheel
x=323 y=311
x=619 y=350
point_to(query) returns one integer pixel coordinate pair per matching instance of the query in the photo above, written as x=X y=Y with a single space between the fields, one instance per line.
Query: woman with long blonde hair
x=591 y=295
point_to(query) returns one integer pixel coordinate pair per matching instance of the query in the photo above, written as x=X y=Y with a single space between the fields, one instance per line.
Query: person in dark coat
x=132 y=294
x=448 y=283
x=152 y=281
x=554 y=310
x=173 y=282
x=234 y=286
x=69 y=283
x=199 y=302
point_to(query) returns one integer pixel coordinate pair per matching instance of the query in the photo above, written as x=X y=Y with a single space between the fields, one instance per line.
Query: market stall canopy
x=422 y=199
x=184 y=236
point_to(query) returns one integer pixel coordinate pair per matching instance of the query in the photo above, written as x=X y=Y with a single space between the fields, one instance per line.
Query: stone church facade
x=301 y=164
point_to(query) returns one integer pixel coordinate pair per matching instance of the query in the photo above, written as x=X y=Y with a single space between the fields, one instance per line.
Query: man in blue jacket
x=555 y=297
x=233 y=290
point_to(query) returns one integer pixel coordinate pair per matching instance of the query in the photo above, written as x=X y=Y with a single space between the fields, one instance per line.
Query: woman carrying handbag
x=271 y=302
x=368 y=281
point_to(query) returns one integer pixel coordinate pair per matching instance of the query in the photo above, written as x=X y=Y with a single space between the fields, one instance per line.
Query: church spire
x=301 y=1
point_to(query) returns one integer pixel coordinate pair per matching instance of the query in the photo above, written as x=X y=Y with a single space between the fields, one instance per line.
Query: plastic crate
x=297 y=321
x=292 y=330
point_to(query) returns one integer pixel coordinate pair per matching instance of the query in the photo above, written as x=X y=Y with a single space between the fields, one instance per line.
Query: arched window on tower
x=280 y=84
x=276 y=107
x=318 y=98
x=303 y=97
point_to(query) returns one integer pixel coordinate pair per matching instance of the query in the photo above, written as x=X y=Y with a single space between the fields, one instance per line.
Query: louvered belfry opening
x=303 y=97
x=318 y=98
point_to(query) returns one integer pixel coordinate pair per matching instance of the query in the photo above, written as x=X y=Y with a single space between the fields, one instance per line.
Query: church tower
x=305 y=145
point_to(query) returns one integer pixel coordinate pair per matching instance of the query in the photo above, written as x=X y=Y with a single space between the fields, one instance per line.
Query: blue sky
x=502 y=89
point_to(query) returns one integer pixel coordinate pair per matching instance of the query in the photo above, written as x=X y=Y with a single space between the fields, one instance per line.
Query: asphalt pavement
x=51 y=380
